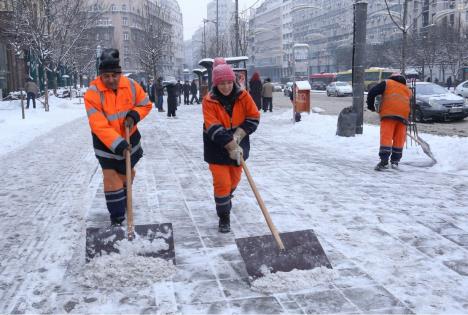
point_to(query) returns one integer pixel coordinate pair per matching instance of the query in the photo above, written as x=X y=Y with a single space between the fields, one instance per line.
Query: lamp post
x=204 y=35
x=98 y=54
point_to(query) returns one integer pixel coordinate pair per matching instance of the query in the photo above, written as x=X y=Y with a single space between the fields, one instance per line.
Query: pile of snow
x=128 y=267
x=17 y=132
x=294 y=280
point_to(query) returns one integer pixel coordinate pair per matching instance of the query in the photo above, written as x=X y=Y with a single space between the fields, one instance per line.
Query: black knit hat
x=109 y=61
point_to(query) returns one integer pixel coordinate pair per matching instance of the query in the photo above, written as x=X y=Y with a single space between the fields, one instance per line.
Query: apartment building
x=121 y=27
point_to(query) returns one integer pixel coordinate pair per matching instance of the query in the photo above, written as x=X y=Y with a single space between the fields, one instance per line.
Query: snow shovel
x=279 y=252
x=101 y=241
x=424 y=146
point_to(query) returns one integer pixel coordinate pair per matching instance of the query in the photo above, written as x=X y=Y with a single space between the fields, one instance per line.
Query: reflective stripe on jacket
x=107 y=111
x=395 y=100
x=219 y=127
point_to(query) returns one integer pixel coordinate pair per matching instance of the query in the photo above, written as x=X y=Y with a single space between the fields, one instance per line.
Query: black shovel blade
x=102 y=241
x=302 y=251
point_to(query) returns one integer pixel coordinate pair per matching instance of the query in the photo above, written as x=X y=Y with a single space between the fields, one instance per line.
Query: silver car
x=339 y=89
x=462 y=89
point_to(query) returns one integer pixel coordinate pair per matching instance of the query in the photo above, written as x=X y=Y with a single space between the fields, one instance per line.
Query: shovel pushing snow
x=279 y=252
x=424 y=146
x=101 y=241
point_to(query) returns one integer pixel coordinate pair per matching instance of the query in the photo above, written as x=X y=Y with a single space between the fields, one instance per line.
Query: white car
x=462 y=89
x=339 y=89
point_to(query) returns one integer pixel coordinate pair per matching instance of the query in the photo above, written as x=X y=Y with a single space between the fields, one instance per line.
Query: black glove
x=371 y=107
x=129 y=122
x=120 y=149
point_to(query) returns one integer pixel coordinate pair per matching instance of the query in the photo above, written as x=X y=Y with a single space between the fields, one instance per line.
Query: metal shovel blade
x=102 y=241
x=302 y=251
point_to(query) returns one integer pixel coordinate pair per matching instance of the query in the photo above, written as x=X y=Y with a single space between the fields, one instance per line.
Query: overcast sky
x=194 y=11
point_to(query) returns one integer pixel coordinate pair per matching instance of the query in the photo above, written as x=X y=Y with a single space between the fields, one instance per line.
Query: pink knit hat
x=218 y=61
x=222 y=72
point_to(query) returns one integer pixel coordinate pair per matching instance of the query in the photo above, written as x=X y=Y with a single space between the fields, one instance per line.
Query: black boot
x=224 y=224
x=383 y=165
x=117 y=221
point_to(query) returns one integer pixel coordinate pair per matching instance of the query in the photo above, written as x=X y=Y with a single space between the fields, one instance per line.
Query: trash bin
x=302 y=97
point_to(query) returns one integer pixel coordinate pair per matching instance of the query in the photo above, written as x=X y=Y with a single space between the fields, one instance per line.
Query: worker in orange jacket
x=112 y=102
x=230 y=116
x=394 y=112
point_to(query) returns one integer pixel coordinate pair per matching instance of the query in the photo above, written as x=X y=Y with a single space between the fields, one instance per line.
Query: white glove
x=239 y=134
x=235 y=151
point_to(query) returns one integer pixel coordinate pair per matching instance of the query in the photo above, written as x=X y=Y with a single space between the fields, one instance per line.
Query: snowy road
x=398 y=241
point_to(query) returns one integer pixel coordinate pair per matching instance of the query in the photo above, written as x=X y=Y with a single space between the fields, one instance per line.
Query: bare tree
x=49 y=29
x=156 y=42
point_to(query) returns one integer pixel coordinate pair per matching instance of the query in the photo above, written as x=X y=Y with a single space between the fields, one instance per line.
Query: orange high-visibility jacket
x=219 y=126
x=107 y=111
x=395 y=100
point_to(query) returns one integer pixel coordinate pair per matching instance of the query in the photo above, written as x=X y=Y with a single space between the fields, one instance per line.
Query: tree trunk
x=46 y=88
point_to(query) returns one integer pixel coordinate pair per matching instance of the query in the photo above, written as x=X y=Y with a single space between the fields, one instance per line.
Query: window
x=124 y=20
x=106 y=36
x=97 y=36
x=124 y=7
x=125 y=36
x=113 y=7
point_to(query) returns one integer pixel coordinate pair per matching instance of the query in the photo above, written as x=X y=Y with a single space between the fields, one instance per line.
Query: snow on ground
x=397 y=240
x=17 y=132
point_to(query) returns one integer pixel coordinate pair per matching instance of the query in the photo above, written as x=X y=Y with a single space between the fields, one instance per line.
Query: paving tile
x=372 y=298
x=260 y=305
x=325 y=302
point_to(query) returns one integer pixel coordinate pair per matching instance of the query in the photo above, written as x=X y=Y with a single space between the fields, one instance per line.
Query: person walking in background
x=230 y=116
x=394 y=113
x=449 y=83
x=179 y=92
x=267 y=95
x=143 y=85
x=255 y=89
x=194 y=91
x=159 y=90
x=151 y=91
x=31 y=92
x=186 y=89
x=114 y=102
x=172 y=94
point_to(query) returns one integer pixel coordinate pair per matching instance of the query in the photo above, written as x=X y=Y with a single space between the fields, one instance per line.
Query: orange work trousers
x=392 y=139
x=113 y=180
x=225 y=181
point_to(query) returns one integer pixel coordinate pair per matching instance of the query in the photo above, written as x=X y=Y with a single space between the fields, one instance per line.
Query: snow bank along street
x=397 y=240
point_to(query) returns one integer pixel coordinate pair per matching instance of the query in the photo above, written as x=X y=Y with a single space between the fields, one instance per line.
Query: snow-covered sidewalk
x=397 y=240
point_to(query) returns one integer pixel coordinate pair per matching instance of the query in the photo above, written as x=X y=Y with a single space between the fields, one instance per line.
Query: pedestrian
x=436 y=81
x=429 y=79
x=186 y=89
x=179 y=91
x=194 y=91
x=255 y=89
x=172 y=94
x=394 y=111
x=297 y=115
x=230 y=116
x=31 y=92
x=151 y=90
x=159 y=94
x=267 y=95
x=143 y=85
x=449 y=83
x=114 y=102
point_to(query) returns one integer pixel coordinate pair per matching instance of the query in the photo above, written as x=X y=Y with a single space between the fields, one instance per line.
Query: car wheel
x=328 y=94
x=419 y=116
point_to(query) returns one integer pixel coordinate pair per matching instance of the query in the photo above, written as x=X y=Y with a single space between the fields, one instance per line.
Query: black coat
x=255 y=90
x=193 y=88
x=186 y=89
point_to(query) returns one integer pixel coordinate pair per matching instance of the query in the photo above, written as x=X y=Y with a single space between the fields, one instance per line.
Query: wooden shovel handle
x=128 y=169
x=265 y=212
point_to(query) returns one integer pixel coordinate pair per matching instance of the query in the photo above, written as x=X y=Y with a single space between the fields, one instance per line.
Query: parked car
x=339 y=89
x=435 y=103
x=288 y=88
x=318 y=85
x=462 y=89
x=277 y=87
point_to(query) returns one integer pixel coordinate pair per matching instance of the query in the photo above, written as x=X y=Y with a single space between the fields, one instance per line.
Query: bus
x=319 y=81
x=372 y=76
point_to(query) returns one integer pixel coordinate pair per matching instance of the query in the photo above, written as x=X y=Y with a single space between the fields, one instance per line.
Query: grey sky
x=193 y=11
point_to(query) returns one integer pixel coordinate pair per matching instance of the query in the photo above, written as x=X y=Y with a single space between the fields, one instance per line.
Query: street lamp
x=98 y=54
x=204 y=35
